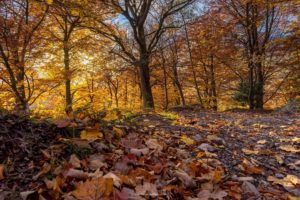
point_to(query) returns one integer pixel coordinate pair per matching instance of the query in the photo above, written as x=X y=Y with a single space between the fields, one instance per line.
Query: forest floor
x=193 y=155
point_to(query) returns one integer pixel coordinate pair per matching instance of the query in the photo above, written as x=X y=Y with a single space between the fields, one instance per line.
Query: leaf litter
x=198 y=156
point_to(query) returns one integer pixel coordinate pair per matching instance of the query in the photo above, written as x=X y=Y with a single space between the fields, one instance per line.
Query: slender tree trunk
x=251 y=88
x=259 y=87
x=175 y=74
x=213 y=85
x=144 y=73
x=68 y=94
x=191 y=62
x=22 y=104
x=165 y=81
x=126 y=92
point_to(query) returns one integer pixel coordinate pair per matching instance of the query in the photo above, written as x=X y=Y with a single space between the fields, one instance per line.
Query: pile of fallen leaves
x=22 y=142
x=196 y=157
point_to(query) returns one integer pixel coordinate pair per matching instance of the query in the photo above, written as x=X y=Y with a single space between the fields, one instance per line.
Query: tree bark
x=69 y=99
x=213 y=85
x=144 y=74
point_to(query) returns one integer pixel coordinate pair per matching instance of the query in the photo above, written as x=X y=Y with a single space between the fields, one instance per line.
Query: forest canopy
x=61 y=56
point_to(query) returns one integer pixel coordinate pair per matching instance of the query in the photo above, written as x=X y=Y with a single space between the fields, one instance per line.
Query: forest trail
x=187 y=155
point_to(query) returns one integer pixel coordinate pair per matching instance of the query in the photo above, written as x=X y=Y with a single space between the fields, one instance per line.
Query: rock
x=250 y=188
x=197 y=138
x=278 y=175
x=206 y=147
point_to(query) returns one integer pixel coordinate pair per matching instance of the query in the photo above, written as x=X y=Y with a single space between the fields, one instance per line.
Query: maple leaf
x=96 y=188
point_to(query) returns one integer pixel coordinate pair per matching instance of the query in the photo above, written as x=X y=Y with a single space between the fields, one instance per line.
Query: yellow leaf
x=90 y=135
x=217 y=175
x=109 y=186
x=75 y=12
x=118 y=131
x=200 y=154
x=49 y=2
x=187 y=140
x=291 y=197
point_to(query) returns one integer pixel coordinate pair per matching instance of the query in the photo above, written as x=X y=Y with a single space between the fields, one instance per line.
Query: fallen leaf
x=261 y=142
x=74 y=161
x=207 y=195
x=139 y=152
x=201 y=154
x=31 y=194
x=250 y=188
x=75 y=173
x=250 y=168
x=118 y=131
x=94 y=189
x=90 y=135
x=217 y=175
x=153 y=144
x=289 y=148
x=279 y=159
x=185 y=178
x=45 y=169
x=2 y=169
x=115 y=178
x=249 y=152
x=147 y=189
x=187 y=140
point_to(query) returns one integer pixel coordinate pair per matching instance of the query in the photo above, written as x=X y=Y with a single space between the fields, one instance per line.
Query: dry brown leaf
x=249 y=152
x=207 y=195
x=289 y=148
x=154 y=144
x=2 y=169
x=147 y=189
x=250 y=168
x=75 y=173
x=185 y=178
x=97 y=188
x=74 y=160
x=45 y=169
x=116 y=180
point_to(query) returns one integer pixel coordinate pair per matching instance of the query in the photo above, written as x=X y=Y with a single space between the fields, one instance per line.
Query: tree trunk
x=191 y=61
x=175 y=73
x=165 y=81
x=21 y=101
x=68 y=97
x=144 y=73
x=213 y=85
x=259 y=96
x=251 y=89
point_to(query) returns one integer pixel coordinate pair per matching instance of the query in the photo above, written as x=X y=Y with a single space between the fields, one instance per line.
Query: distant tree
x=20 y=21
x=148 y=20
